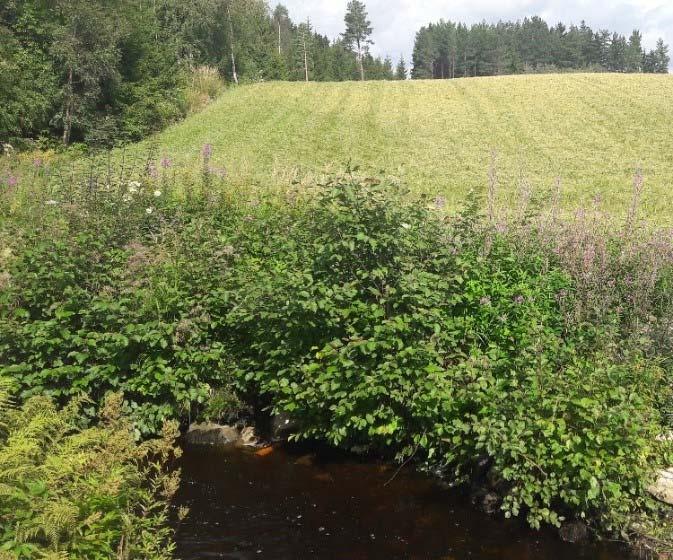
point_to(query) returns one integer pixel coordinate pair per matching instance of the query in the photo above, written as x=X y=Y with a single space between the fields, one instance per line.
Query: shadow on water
x=291 y=506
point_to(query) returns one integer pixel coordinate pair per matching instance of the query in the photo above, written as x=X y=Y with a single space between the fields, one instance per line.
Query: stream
x=290 y=505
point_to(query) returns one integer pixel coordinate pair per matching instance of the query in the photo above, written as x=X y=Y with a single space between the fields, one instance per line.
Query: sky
x=395 y=22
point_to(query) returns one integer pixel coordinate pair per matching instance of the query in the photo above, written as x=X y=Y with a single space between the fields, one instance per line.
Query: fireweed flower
x=166 y=162
x=12 y=181
x=37 y=163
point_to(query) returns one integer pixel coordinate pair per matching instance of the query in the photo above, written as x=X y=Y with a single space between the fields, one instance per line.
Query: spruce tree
x=661 y=58
x=401 y=71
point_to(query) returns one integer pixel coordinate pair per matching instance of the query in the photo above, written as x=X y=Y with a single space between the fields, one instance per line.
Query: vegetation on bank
x=369 y=315
x=73 y=492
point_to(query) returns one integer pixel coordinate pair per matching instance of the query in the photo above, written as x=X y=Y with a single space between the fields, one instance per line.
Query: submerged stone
x=574 y=532
x=209 y=433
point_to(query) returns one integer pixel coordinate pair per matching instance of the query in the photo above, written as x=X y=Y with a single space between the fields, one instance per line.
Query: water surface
x=289 y=505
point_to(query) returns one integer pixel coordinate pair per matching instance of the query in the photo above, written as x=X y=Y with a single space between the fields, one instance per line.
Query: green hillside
x=592 y=131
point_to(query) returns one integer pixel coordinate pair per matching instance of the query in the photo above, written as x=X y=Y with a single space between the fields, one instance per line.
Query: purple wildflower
x=166 y=162
x=12 y=181
x=207 y=151
x=37 y=163
x=519 y=300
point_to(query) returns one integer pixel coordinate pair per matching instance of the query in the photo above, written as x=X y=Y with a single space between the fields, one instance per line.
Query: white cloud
x=395 y=22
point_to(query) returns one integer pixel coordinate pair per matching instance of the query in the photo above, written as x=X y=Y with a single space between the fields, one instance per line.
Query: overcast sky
x=395 y=22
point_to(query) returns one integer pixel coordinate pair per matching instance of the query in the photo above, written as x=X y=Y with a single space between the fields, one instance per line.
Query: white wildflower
x=134 y=186
x=157 y=193
x=127 y=198
x=406 y=226
x=149 y=211
x=51 y=202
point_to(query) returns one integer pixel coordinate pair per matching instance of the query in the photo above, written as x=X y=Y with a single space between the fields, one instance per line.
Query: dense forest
x=454 y=50
x=100 y=71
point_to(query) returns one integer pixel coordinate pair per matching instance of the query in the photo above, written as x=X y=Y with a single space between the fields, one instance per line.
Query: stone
x=488 y=502
x=662 y=489
x=306 y=460
x=209 y=433
x=574 y=532
x=248 y=437
x=281 y=426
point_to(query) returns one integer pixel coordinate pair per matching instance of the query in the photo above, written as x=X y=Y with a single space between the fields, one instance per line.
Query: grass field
x=591 y=131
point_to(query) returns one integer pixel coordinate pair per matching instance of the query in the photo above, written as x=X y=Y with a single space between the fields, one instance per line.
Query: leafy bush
x=380 y=324
x=369 y=316
x=116 y=297
x=67 y=492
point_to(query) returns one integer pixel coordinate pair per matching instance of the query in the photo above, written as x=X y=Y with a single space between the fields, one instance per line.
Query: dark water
x=289 y=506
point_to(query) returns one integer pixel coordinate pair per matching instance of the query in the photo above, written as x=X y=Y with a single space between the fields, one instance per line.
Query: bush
x=380 y=324
x=369 y=316
x=67 y=492
x=114 y=295
x=206 y=86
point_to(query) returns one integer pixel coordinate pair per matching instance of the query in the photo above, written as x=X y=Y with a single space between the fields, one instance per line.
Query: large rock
x=662 y=489
x=282 y=426
x=574 y=532
x=209 y=433
x=248 y=437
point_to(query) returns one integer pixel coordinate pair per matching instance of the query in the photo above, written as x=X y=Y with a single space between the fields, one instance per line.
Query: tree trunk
x=67 y=118
x=360 y=61
x=231 y=46
x=279 y=38
x=305 y=59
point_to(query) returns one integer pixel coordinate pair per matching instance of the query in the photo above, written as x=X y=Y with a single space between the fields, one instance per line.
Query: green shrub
x=115 y=298
x=377 y=323
x=369 y=316
x=67 y=492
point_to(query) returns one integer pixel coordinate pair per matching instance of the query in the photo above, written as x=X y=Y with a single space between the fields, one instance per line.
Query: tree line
x=453 y=50
x=99 y=71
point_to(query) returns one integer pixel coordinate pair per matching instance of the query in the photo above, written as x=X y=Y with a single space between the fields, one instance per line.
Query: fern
x=70 y=493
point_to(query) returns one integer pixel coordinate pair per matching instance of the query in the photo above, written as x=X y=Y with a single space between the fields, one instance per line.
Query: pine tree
x=304 y=44
x=401 y=71
x=358 y=32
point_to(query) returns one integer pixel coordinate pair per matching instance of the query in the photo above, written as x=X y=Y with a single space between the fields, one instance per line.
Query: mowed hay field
x=591 y=131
